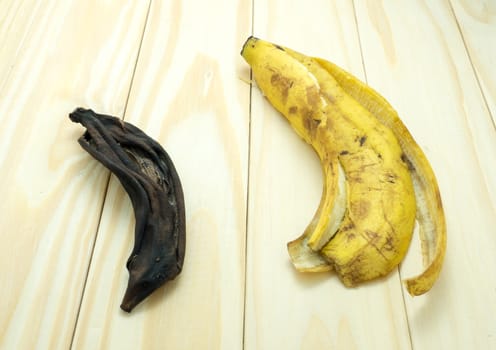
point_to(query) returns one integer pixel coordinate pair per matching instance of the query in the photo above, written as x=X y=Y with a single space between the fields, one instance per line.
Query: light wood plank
x=16 y=20
x=186 y=94
x=415 y=56
x=52 y=191
x=57 y=55
x=477 y=21
x=287 y=309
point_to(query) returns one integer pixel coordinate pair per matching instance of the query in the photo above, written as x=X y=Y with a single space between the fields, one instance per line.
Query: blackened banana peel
x=152 y=183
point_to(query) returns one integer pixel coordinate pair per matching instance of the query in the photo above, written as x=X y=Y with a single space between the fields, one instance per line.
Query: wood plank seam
x=405 y=310
x=476 y=75
x=90 y=260
x=479 y=85
x=250 y=92
x=108 y=182
x=359 y=41
x=137 y=59
x=247 y=209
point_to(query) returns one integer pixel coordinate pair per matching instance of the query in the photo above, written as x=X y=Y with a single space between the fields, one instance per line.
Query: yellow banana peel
x=377 y=180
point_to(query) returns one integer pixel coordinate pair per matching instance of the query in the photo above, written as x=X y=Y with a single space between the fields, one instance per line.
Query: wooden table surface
x=251 y=184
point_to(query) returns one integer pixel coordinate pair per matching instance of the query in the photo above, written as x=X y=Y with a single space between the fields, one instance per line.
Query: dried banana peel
x=377 y=180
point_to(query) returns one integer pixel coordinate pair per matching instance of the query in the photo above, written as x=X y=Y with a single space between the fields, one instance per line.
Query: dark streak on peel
x=407 y=161
x=362 y=140
x=149 y=177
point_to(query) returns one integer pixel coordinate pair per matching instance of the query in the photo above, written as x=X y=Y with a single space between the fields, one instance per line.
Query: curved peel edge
x=332 y=206
x=305 y=259
x=430 y=214
x=324 y=224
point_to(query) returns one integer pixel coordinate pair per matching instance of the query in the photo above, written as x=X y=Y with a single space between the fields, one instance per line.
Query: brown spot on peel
x=360 y=208
x=313 y=97
x=362 y=140
x=293 y=109
x=283 y=84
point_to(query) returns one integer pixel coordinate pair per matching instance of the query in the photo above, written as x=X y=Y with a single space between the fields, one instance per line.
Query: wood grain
x=52 y=191
x=187 y=95
x=420 y=64
x=477 y=22
x=173 y=69
x=286 y=309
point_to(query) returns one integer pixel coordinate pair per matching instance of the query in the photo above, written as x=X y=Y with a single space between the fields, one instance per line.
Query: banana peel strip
x=430 y=214
x=322 y=228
